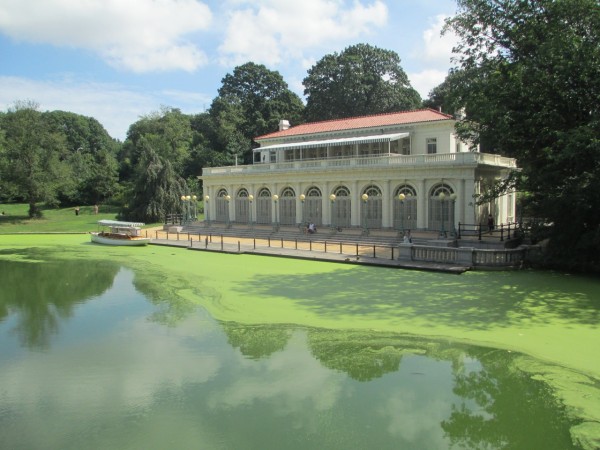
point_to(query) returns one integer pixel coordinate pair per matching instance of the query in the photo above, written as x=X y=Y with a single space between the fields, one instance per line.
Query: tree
x=34 y=156
x=157 y=188
x=533 y=91
x=171 y=135
x=251 y=103
x=91 y=153
x=361 y=80
x=444 y=96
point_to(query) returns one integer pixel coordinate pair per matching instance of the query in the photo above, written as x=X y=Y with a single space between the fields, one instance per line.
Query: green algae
x=551 y=318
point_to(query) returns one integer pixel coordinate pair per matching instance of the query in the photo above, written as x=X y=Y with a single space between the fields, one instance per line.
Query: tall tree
x=157 y=188
x=171 y=133
x=251 y=102
x=534 y=91
x=91 y=153
x=361 y=80
x=34 y=156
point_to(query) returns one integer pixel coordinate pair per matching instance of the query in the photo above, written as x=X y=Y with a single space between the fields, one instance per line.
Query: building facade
x=402 y=171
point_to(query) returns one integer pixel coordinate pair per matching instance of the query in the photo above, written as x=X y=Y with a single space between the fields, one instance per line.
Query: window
x=431 y=145
x=406 y=146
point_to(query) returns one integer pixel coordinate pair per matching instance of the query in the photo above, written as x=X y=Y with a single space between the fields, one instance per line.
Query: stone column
x=422 y=205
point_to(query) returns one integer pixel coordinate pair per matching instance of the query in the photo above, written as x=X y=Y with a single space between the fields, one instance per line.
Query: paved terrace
x=349 y=246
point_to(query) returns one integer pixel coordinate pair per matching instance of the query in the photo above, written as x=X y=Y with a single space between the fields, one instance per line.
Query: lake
x=194 y=350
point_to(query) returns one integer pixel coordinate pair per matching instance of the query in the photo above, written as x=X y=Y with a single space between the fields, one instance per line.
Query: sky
x=119 y=60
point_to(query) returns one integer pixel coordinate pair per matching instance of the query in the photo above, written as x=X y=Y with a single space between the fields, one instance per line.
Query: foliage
x=361 y=80
x=33 y=157
x=251 y=102
x=444 y=96
x=91 y=154
x=157 y=188
x=170 y=134
x=531 y=86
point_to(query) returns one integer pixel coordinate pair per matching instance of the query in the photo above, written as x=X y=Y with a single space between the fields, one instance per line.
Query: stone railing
x=442 y=159
x=466 y=256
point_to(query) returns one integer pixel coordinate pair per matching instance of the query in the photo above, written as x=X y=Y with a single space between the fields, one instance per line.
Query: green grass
x=16 y=220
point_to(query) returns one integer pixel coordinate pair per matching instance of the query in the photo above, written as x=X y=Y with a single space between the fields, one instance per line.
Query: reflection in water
x=41 y=294
x=256 y=342
x=179 y=380
x=498 y=404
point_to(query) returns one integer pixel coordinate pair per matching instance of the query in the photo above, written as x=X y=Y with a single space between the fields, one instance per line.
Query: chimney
x=284 y=125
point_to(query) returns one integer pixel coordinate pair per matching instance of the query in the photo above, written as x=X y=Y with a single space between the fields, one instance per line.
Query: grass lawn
x=16 y=220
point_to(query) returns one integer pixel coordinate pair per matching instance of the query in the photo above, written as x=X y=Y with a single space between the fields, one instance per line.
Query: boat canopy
x=117 y=223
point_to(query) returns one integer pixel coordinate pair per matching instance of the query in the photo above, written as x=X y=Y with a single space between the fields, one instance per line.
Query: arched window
x=314 y=192
x=288 y=192
x=242 y=193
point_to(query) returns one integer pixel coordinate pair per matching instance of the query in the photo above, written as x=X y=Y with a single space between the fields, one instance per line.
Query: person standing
x=96 y=209
x=490 y=223
x=77 y=210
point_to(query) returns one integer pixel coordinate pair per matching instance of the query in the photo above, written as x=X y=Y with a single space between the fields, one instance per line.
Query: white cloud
x=434 y=54
x=426 y=80
x=116 y=107
x=438 y=48
x=137 y=35
x=271 y=31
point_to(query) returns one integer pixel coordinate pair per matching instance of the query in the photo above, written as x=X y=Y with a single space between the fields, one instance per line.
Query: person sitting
x=312 y=228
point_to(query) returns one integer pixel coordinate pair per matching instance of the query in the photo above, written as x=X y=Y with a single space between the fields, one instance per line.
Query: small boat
x=115 y=232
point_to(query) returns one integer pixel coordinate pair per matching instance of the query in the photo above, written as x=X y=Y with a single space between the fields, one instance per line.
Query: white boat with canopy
x=114 y=232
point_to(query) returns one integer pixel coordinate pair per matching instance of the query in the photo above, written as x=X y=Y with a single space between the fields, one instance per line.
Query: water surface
x=94 y=354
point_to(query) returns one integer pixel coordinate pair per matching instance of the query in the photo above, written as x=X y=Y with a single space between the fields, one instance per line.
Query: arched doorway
x=405 y=209
x=371 y=209
x=441 y=209
x=242 y=206
x=222 y=206
x=287 y=207
x=341 y=207
x=313 y=206
x=263 y=207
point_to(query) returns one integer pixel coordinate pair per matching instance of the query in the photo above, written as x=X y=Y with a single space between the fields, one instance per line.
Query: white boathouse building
x=395 y=171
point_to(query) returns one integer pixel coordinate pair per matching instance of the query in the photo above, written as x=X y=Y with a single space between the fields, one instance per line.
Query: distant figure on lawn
x=77 y=210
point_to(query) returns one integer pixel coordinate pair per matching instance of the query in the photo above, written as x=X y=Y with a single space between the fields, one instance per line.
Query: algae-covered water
x=161 y=347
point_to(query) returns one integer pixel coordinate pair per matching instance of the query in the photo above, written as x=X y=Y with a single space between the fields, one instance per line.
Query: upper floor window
x=405 y=146
x=431 y=145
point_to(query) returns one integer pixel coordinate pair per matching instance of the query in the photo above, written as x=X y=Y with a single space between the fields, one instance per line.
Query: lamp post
x=453 y=199
x=184 y=209
x=302 y=199
x=207 y=210
x=194 y=205
x=228 y=199
x=401 y=197
x=276 y=226
x=442 y=198
x=250 y=199
x=332 y=199
x=364 y=198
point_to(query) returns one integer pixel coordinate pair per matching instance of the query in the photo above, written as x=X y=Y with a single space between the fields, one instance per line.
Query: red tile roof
x=350 y=123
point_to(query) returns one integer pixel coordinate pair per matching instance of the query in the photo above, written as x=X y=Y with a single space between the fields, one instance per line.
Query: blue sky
x=118 y=60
